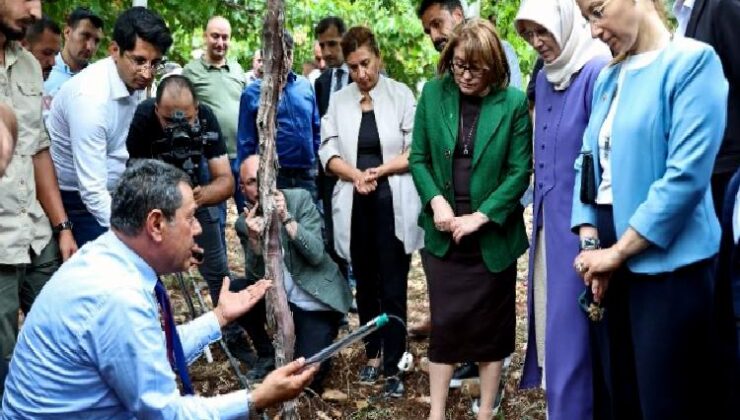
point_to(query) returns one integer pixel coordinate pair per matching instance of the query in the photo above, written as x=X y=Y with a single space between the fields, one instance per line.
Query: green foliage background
x=407 y=53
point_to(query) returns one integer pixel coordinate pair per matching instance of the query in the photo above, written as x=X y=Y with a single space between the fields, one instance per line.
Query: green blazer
x=502 y=164
x=307 y=261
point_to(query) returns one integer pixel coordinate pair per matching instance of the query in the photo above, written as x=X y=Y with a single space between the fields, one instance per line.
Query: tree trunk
x=279 y=317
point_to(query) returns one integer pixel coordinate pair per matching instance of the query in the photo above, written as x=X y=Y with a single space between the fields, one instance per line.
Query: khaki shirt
x=221 y=89
x=23 y=223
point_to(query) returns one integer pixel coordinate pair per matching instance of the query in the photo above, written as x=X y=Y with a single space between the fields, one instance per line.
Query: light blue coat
x=667 y=130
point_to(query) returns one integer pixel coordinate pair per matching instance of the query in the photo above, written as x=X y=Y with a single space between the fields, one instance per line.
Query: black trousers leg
x=384 y=267
x=315 y=330
x=673 y=334
x=214 y=267
x=254 y=323
x=615 y=382
x=365 y=269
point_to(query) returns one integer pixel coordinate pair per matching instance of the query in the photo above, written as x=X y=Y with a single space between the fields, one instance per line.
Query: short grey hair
x=146 y=185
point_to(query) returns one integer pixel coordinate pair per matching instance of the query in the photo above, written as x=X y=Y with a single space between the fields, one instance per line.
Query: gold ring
x=580 y=267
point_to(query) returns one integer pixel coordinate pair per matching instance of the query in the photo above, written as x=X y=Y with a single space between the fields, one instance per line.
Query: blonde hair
x=660 y=9
x=481 y=45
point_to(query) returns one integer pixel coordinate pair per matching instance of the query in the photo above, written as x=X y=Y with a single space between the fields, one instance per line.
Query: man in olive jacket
x=318 y=294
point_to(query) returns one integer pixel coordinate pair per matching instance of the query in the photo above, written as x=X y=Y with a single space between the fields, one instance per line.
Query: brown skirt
x=472 y=309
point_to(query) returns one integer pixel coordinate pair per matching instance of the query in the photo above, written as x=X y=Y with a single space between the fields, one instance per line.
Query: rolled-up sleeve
x=88 y=134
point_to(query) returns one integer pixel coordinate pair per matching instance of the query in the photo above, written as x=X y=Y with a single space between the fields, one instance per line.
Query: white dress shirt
x=345 y=77
x=682 y=9
x=88 y=125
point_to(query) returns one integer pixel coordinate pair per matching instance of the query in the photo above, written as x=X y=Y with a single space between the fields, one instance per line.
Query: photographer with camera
x=175 y=128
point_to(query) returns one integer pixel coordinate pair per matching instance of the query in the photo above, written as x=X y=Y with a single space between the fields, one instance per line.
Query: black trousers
x=315 y=330
x=381 y=266
x=214 y=267
x=653 y=346
x=254 y=322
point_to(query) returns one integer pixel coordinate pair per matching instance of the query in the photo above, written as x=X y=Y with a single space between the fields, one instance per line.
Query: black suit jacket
x=717 y=22
x=322 y=87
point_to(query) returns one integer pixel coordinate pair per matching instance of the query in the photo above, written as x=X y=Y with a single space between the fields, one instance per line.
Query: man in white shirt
x=91 y=114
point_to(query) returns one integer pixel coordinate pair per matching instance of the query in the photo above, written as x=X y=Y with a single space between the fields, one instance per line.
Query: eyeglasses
x=142 y=64
x=460 y=69
x=541 y=33
x=596 y=13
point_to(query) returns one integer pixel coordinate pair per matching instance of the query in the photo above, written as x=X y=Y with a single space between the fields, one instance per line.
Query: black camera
x=183 y=145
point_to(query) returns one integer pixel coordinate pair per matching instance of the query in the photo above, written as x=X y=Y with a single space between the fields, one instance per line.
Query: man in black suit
x=716 y=23
x=329 y=33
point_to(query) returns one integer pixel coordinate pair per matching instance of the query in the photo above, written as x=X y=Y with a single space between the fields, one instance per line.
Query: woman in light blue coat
x=657 y=121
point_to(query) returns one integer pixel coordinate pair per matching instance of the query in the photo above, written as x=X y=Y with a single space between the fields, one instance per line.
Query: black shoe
x=464 y=372
x=369 y=375
x=241 y=350
x=393 y=387
x=261 y=368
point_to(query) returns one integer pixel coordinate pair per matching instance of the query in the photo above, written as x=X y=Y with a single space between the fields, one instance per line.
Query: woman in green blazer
x=471 y=159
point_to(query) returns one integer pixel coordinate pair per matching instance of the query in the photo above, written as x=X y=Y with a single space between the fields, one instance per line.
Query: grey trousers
x=19 y=286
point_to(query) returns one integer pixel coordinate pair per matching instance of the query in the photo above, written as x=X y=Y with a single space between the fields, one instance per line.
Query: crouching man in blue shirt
x=93 y=345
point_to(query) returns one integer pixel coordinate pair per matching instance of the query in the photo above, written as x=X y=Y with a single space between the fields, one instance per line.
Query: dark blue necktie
x=174 y=346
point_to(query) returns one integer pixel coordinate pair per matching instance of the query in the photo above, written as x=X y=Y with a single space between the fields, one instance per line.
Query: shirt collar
x=59 y=62
x=118 y=87
x=343 y=67
x=11 y=53
x=680 y=4
x=209 y=66
x=148 y=275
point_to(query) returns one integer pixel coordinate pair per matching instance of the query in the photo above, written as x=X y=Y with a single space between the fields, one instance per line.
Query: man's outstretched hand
x=283 y=384
x=232 y=305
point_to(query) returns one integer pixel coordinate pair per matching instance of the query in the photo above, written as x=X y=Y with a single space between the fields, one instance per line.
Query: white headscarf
x=564 y=20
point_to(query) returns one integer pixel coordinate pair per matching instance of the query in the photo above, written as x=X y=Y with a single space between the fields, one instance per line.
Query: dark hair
x=142 y=23
x=288 y=41
x=357 y=37
x=482 y=46
x=146 y=185
x=445 y=4
x=176 y=83
x=82 y=13
x=33 y=33
x=327 y=22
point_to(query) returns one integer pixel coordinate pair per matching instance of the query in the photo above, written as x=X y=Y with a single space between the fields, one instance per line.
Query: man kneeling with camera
x=175 y=128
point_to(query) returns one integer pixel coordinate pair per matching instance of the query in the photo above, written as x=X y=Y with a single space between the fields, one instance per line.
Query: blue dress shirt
x=298 y=132
x=93 y=347
x=60 y=73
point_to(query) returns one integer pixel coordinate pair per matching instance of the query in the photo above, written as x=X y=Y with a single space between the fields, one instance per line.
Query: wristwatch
x=65 y=225
x=288 y=218
x=254 y=412
x=589 y=244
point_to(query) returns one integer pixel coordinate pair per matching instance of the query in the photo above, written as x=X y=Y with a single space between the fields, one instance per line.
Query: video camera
x=183 y=145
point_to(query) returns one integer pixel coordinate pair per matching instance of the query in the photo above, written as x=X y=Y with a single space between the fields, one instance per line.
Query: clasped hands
x=366 y=181
x=460 y=226
x=596 y=268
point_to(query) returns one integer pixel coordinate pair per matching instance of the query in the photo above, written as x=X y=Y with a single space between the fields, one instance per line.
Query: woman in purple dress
x=558 y=355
